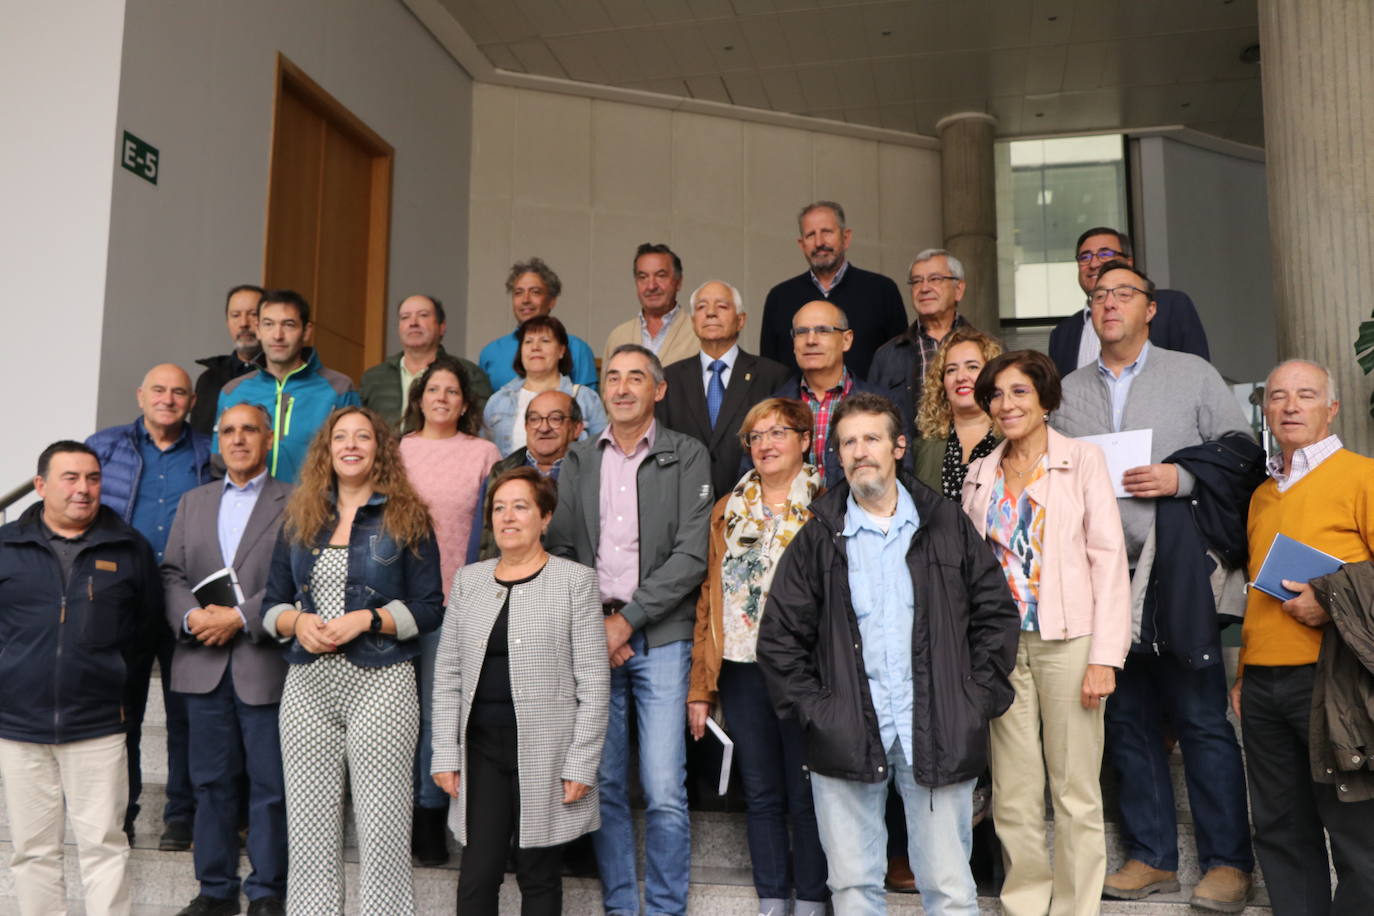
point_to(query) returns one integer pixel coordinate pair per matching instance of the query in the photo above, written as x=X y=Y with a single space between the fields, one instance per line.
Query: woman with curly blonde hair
x=355 y=579
x=954 y=429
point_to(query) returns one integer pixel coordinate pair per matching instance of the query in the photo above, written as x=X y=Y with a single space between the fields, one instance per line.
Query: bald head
x=820 y=338
x=165 y=397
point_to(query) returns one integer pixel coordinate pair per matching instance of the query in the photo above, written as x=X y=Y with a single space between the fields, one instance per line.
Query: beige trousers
x=93 y=777
x=1047 y=729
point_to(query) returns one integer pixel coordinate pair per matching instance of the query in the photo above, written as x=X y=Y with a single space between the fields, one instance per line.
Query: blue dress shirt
x=884 y=602
x=1119 y=387
x=165 y=476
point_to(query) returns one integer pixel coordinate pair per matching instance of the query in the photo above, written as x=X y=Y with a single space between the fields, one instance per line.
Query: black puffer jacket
x=963 y=645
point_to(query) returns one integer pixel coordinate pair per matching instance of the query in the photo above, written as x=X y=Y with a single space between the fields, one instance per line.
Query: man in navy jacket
x=1176 y=325
x=77 y=587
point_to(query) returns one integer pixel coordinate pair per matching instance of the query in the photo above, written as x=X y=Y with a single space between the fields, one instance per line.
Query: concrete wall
x=1206 y=226
x=198 y=83
x=581 y=182
x=59 y=79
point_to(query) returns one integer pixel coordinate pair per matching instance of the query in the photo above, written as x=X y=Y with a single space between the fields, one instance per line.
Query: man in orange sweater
x=1322 y=495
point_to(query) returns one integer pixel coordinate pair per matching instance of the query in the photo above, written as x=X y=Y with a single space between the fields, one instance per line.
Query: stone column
x=1318 y=79
x=969 y=203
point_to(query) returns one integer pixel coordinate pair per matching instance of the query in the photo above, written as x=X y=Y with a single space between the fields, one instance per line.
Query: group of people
x=472 y=595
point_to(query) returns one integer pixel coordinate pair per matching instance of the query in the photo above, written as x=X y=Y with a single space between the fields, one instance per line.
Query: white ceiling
x=1039 y=66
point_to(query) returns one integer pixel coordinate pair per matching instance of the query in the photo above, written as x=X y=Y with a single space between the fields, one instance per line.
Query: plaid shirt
x=821 y=408
x=925 y=352
x=1305 y=460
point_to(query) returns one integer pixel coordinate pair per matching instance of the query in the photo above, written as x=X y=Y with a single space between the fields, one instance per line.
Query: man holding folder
x=230 y=670
x=1321 y=495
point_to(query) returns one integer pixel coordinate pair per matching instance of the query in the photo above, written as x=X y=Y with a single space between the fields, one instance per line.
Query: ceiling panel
x=537 y=58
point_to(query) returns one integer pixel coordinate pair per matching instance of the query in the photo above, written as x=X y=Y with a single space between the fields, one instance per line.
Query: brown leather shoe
x=899 y=879
x=1135 y=880
x=1222 y=890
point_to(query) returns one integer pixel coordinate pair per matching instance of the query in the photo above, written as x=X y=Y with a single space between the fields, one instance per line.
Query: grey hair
x=1331 y=395
x=735 y=297
x=538 y=267
x=956 y=266
x=266 y=414
x=655 y=364
x=821 y=205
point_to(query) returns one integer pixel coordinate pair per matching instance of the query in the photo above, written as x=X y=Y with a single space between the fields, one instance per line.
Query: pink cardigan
x=1084 y=581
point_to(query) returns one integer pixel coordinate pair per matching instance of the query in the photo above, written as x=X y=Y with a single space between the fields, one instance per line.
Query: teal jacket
x=298 y=406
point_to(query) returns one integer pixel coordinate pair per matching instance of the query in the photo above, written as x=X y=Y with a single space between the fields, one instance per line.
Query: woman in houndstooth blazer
x=521 y=685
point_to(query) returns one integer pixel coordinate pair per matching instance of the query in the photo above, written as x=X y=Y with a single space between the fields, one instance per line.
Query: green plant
x=1364 y=352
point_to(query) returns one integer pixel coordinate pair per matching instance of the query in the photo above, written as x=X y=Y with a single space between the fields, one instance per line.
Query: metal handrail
x=13 y=496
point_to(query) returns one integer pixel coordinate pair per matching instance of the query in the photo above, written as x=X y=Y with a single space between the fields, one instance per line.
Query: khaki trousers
x=92 y=776
x=1047 y=729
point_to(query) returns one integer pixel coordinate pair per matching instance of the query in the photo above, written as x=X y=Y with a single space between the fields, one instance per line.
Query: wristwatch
x=376 y=620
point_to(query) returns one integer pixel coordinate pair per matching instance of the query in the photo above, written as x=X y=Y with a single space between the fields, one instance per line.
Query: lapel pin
x=748 y=376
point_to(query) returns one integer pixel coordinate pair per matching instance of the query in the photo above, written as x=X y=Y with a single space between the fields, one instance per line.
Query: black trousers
x=493 y=793
x=1290 y=810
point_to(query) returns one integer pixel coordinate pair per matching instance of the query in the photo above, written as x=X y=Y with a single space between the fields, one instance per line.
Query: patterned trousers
x=343 y=725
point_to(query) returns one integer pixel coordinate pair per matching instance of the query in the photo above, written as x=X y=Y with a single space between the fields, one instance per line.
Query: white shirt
x=1305 y=461
x=517 y=430
x=1089 y=346
x=728 y=358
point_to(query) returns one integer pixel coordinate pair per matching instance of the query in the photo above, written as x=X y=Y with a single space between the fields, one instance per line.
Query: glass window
x=1049 y=191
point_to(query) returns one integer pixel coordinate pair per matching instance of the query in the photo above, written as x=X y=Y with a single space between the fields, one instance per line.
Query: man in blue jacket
x=297 y=391
x=147 y=465
x=77 y=585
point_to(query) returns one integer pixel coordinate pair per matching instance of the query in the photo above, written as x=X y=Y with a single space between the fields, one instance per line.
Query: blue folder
x=1294 y=561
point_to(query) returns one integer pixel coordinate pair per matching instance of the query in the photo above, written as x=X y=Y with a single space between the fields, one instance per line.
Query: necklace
x=1020 y=475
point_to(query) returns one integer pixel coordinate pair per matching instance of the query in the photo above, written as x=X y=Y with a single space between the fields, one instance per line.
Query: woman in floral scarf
x=751 y=526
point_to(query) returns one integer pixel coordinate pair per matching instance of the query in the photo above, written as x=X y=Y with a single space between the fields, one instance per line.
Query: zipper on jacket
x=276 y=424
x=57 y=669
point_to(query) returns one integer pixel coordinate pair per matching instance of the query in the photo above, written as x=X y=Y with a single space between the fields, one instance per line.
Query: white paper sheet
x=1127 y=449
x=726 y=755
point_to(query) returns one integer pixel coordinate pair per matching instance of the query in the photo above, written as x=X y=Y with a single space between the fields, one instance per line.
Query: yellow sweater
x=1331 y=509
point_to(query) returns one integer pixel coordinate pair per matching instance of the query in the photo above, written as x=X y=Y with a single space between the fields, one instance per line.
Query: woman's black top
x=493 y=706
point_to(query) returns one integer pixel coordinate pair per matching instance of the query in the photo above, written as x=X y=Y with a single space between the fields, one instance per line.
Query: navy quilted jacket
x=121 y=464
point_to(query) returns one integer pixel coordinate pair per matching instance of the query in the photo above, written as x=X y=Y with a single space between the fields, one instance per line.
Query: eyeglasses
x=823 y=330
x=555 y=420
x=1123 y=294
x=774 y=434
x=932 y=280
x=1102 y=254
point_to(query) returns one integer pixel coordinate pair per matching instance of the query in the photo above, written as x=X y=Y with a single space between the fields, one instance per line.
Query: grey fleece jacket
x=1177 y=395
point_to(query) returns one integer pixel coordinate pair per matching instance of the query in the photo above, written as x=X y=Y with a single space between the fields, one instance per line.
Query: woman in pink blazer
x=1046 y=505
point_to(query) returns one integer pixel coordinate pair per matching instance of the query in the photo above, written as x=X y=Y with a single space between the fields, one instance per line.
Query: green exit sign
x=139 y=157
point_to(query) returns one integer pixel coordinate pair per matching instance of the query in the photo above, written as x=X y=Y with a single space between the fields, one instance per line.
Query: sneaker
x=899 y=878
x=176 y=837
x=266 y=906
x=1135 y=880
x=211 y=906
x=1222 y=890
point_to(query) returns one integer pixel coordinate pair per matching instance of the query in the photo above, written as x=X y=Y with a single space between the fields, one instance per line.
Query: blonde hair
x=405 y=517
x=933 y=414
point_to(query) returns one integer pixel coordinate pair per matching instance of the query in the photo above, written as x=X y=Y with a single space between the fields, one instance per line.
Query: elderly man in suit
x=709 y=393
x=230 y=671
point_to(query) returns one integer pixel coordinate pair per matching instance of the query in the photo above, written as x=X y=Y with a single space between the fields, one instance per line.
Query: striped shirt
x=1305 y=460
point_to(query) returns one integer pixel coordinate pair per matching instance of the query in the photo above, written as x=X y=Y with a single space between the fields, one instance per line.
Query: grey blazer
x=674 y=519
x=193 y=552
x=560 y=682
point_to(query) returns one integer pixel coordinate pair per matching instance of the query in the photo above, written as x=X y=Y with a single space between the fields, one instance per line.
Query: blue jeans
x=655 y=680
x=1149 y=689
x=427 y=792
x=771 y=754
x=228 y=739
x=850 y=815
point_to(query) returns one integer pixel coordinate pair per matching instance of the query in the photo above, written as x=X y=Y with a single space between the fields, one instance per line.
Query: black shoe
x=266 y=906
x=428 y=840
x=211 y=906
x=176 y=837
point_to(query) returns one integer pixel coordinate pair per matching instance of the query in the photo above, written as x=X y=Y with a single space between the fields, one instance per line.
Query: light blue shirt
x=235 y=506
x=884 y=602
x=728 y=358
x=1119 y=387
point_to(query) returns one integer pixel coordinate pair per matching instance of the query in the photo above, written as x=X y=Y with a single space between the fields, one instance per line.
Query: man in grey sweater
x=1184 y=402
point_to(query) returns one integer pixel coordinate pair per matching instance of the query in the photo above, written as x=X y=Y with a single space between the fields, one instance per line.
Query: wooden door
x=329 y=219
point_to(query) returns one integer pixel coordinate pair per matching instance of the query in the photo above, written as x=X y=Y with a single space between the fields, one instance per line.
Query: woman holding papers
x=521 y=687
x=1046 y=505
x=447 y=464
x=954 y=430
x=751 y=526
x=354 y=581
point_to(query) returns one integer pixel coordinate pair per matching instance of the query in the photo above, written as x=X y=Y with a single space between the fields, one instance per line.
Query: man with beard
x=241 y=316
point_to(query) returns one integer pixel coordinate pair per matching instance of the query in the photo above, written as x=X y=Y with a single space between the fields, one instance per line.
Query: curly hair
x=933 y=414
x=471 y=420
x=311 y=508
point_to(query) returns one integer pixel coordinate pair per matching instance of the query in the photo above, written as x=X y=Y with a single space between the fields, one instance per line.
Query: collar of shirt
x=251 y=486
x=958 y=322
x=147 y=438
x=668 y=320
x=1305 y=460
x=646 y=441
x=857 y=519
x=531 y=461
x=843 y=388
x=834 y=281
x=1132 y=370
x=728 y=357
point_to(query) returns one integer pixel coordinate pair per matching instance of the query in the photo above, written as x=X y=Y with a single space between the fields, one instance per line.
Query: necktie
x=715 y=390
